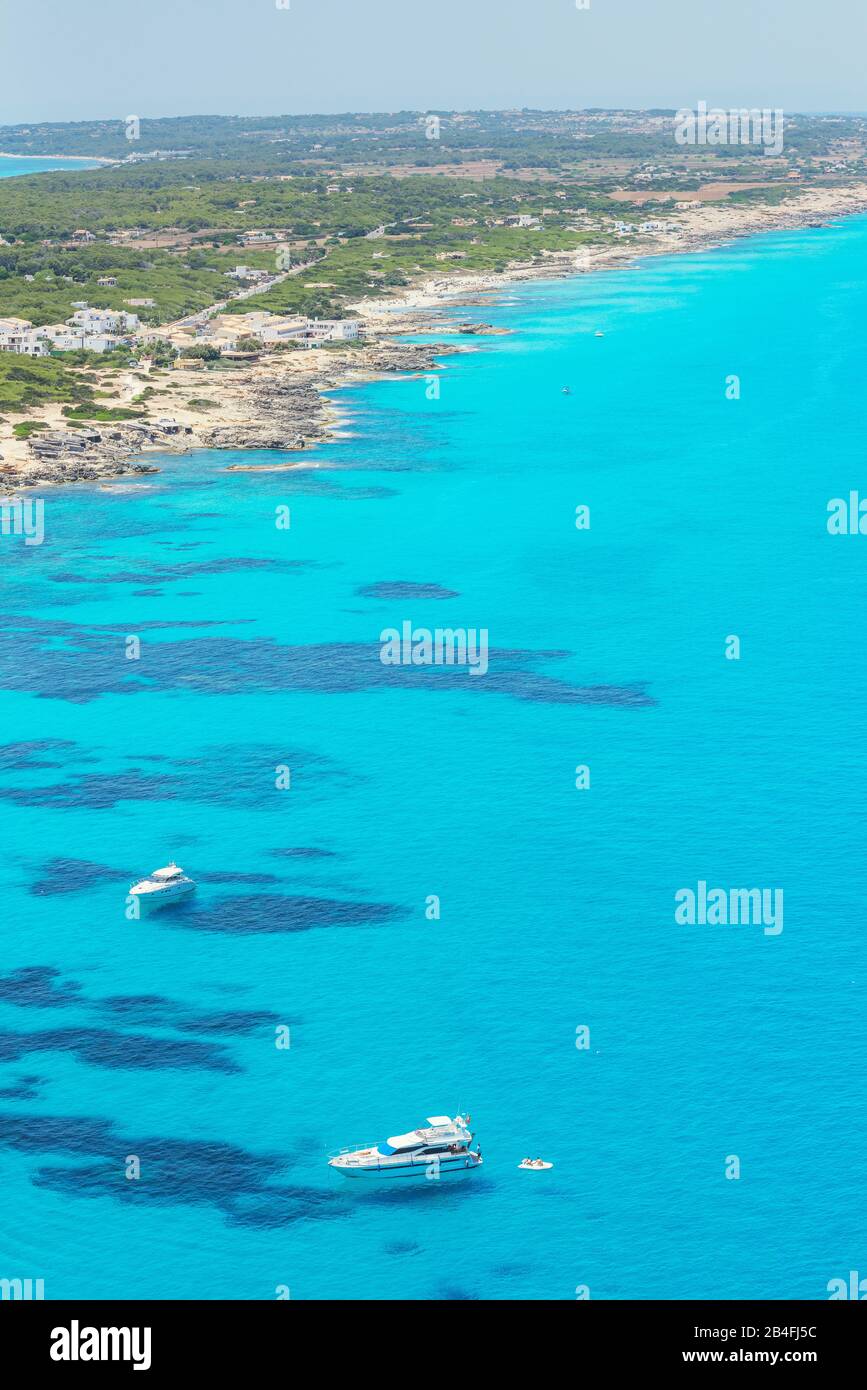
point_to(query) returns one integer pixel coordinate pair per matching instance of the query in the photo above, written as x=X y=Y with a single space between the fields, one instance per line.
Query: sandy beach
x=698 y=228
x=75 y=158
x=280 y=400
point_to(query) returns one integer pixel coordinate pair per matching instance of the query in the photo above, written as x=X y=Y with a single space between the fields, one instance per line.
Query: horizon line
x=427 y=110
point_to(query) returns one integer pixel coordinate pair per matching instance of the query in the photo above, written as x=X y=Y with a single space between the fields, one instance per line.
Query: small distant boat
x=567 y=390
x=440 y=1150
x=163 y=886
x=537 y=1165
x=599 y=333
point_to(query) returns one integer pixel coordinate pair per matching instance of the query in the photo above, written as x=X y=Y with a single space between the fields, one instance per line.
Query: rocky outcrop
x=482 y=329
x=283 y=414
x=254 y=437
x=71 y=456
x=277 y=409
x=400 y=357
x=65 y=472
x=288 y=415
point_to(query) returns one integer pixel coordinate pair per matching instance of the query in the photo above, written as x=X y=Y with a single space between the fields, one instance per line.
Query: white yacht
x=440 y=1150
x=163 y=886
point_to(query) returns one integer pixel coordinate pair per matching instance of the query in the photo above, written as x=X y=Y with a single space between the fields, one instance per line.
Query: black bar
x=223 y=1338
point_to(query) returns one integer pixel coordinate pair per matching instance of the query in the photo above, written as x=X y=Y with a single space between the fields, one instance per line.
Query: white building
x=226 y=330
x=91 y=334
x=19 y=336
x=65 y=337
x=281 y=331
x=58 y=337
x=246 y=272
x=333 y=330
x=309 y=332
x=98 y=321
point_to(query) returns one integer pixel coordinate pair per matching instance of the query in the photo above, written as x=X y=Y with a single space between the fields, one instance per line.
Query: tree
x=162 y=354
x=206 y=351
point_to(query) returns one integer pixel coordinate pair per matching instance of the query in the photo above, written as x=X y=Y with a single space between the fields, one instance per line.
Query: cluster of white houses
x=96 y=330
x=100 y=330
x=226 y=331
x=272 y=329
x=653 y=225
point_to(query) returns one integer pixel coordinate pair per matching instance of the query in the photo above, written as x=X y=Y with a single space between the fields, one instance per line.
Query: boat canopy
x=170 y=871
x=442 y=1131
x=402 y=1141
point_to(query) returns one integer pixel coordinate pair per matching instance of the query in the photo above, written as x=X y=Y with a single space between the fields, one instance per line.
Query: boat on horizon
x=163 y=886
x=440 y=1149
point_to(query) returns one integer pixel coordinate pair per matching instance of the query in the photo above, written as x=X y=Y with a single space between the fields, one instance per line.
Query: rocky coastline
x=279 y=401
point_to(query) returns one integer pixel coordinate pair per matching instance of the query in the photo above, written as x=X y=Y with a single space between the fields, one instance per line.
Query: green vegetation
x=25 y=382
x=219 y=202
x=105 y=415
x=177 y=287
x=773 y=196
x=92 y=361
x=162 y=354
x=205 y=352
x=25 y=428
x=360 y=205
x=551 y=141
x=321 y=185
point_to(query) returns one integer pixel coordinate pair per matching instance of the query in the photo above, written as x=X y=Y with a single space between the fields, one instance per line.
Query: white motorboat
x=163 y=886
x=441 y=1149
x=535 y=1165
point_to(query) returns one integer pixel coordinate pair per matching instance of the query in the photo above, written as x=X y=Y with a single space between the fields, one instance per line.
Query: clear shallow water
x=157 y=1038
x=15 y=164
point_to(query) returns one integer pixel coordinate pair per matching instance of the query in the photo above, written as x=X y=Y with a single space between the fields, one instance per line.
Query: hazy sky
x=80 y=59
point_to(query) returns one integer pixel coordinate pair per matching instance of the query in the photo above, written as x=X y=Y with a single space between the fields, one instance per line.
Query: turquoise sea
x=16 y=164
x=260 y=650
